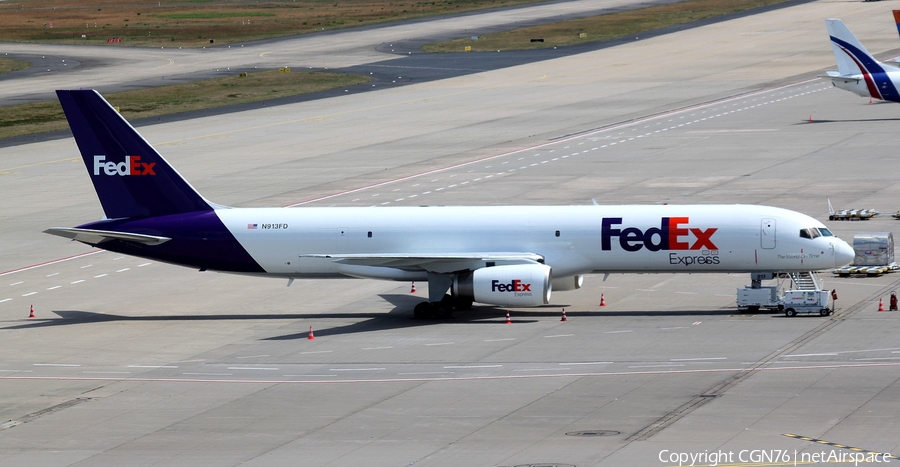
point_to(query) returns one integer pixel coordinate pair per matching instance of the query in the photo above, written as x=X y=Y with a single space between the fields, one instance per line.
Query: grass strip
x=42 y=117
x=600 y=28
x=10 y=64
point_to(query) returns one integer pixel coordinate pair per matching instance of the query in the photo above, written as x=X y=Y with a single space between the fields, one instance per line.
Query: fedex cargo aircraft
x=858 y=71
x=495 y=255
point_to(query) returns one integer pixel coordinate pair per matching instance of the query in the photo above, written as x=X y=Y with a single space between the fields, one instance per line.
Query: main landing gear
x=442 y=309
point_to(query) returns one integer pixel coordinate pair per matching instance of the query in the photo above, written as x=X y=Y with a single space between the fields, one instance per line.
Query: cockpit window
x=825 y=232
x=811 y=232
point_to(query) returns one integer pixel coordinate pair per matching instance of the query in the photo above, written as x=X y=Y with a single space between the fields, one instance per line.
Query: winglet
x=130 y=177
x=830 y=207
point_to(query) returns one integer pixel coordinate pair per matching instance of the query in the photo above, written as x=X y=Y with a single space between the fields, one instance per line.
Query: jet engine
x=567 y=283
x=511 y=285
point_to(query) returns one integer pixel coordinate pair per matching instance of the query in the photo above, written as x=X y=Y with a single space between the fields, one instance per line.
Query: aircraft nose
x=843 y=253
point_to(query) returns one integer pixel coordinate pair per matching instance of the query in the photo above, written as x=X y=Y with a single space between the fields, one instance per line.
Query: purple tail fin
x=130 y=177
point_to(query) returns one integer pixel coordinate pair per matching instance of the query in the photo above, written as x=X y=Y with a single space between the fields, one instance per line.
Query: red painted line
x=443 y=379
x=50 y=262
x=560 y=140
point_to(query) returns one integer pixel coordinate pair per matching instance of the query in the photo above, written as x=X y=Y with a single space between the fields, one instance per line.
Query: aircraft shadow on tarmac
x=860 y=120
x=398 y=317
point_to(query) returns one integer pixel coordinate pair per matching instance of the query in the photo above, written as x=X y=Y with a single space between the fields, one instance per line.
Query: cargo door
x=767 y=234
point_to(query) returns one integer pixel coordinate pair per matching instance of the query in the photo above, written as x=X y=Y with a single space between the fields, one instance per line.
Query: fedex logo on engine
x=515 y=286
x=672 y=234
x=131 y=166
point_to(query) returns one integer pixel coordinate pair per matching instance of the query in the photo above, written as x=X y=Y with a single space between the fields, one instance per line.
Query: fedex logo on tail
x=672 y=234
x=132 y=166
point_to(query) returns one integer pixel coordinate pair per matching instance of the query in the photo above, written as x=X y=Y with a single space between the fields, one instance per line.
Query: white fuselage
x=316 y=242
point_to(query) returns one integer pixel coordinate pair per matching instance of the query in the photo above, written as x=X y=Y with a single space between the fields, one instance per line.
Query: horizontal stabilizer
x=94 y=237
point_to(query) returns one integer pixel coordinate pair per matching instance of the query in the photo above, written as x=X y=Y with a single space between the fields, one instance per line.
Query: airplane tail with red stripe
x=858 y=71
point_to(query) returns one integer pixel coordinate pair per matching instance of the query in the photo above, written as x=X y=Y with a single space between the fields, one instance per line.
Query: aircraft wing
x=433 y=262
x=94 y=237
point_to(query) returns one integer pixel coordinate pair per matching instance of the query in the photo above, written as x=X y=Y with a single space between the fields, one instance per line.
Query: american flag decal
x=251 y=226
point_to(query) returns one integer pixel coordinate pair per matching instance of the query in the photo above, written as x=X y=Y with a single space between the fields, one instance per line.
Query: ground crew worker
x=893 y=301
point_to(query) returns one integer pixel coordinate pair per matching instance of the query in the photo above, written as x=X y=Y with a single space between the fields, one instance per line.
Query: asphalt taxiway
x=135 y=362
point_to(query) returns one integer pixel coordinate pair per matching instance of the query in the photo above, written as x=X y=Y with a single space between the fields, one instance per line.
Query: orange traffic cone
x=508 y=321
x=564 y=319
x=413 y=288
x=880 y=305
x=602 y=300
x=31 y=315
x=311 y=337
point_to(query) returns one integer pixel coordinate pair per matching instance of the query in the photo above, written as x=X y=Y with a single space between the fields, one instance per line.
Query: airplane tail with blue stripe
x=851 y=56
x=858 y=71
x=131 y=178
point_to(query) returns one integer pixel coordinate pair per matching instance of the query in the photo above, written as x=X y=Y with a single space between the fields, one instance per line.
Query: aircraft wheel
x=423 y=310
x=790 y=312
x=442 y=311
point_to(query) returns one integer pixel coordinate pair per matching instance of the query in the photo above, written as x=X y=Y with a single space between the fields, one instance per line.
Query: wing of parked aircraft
x=496 y=255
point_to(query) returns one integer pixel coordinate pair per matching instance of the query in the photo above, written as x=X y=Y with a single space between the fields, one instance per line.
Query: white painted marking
x=585 y=363
x=144 y=264
x=545 y=369
x=5 y=300
x=443 y=343
x=378 y=348
x=251 y=368
x=252 y=356
x=56 y=364
x=123 y=270
x=210 y=374
x=453 y=367
x=86 y=266
x=54 y=274
x=697 y=359
x=77 y=282
x=561 y=335
x=355 y=369
x=665 y=365
x=16 y=371
x=617 y=332
x=316 y=351
x=811 y=354
x=17 y=283
x=152 y=366
x=500 y=340
x=29 y=294
x=428 y=373
x=54 y=287
x=676 y=327
x=313 y=376
x=101 y=275
x=107 y=372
